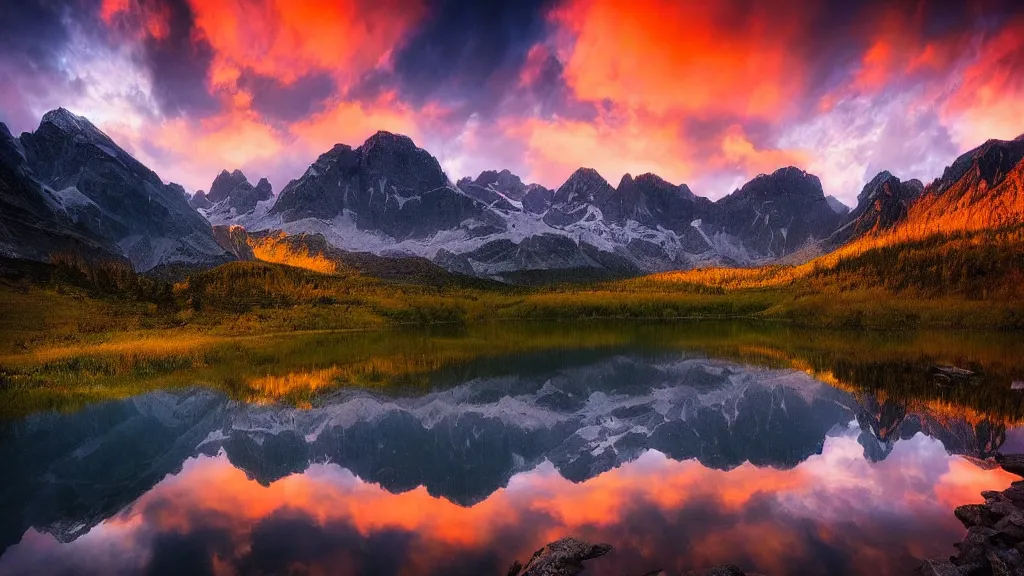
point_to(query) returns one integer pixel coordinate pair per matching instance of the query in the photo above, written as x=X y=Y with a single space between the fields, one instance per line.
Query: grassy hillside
x=963 y=280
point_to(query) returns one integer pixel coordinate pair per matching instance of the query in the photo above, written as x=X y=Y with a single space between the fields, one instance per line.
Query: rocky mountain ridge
x=232 y=196
x=390 y=197
x=70 y=187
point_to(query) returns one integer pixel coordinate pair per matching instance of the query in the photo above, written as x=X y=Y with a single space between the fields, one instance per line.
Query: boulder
x=563 y=557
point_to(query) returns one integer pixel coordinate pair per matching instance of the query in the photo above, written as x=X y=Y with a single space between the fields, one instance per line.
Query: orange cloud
x=193 y=151
x=898 y=47
x=739 y=151
x=286 y=40
x=209 y=493
x=988 y=99
x=555 y=148
x=694 y=57
x=353 y=122
x=152 y=18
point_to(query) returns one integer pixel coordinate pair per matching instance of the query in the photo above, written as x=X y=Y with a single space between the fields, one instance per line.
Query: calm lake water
x=826 y=454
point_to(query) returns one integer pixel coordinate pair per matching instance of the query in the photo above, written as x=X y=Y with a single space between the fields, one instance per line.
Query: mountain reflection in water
x=680 y=462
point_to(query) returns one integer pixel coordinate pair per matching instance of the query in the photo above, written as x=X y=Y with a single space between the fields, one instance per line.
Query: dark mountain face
x=537 y=199
x=883 y=202
x=653 y=202
x=224 y=183
x=776 y=214
x=89 y=188
x=200 y=201
x=991 y=163
x=574 y=201
x=30 y=225
x=837 y=206
x=388 y=185
x=496 y=189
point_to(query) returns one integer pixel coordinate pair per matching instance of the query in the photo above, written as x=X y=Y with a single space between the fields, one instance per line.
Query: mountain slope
x=31 y=226
x=883 y=203
x=776 y=214
x=982 y=190
x=90 y=188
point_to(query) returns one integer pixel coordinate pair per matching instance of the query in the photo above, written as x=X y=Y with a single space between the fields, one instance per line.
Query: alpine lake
x=458 y=450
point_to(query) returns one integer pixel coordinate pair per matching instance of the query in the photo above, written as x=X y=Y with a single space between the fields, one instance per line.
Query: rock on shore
x=994 y=544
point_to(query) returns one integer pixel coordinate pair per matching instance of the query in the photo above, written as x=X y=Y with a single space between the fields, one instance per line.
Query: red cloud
x=988 y=96
x=285 y=39
x=705 y=93
x=699 y=58
x=763 y=515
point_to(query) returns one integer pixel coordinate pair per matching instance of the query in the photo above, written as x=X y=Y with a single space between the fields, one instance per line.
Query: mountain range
x=68 y=187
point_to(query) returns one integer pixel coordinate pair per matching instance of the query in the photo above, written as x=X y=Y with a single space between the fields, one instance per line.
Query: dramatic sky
x=706 y=93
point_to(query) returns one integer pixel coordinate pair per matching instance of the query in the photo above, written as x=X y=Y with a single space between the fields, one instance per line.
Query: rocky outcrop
x=200 y=201
x=994 y=544
x=651 y=201
x=837 y=206
x=563 y=557
x=882 y=204
x=538 y=199
x=500 y=190
x=224 y=183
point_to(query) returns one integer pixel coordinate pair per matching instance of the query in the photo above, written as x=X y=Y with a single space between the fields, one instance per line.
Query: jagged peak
x=224 y=183
x=383 y=137
x=265 y=189
x=993 y=160
x=1019 y=138
x=236 y=173
x=586 y=174
x=329 y=156
x=767 y=182
x=874 y=184
x=67 y=121
x=627 y=180
x=652 y=178
x=790 y=170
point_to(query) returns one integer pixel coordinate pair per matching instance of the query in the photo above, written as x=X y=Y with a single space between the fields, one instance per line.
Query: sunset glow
x=709 y=94
x=765 y=516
